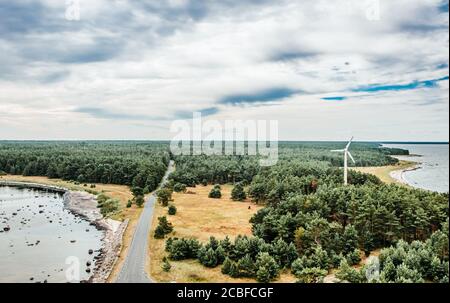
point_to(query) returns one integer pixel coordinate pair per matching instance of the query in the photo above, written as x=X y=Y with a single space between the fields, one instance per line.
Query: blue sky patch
x=399 y=87
x=269 y=95
x=334 y=98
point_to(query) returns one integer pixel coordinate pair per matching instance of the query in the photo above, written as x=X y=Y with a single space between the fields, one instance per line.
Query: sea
x=433 y=168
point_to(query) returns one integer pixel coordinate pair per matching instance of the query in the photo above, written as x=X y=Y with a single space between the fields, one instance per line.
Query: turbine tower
x=346 y=155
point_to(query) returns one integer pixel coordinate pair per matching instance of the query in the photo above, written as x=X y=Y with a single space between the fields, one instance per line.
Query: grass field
x=384 y=172
x=120 y=192
x=201 y=217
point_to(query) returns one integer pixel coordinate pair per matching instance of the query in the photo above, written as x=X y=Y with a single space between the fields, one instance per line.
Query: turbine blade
x=349 y=142
x=338 y=150
x=351 y=157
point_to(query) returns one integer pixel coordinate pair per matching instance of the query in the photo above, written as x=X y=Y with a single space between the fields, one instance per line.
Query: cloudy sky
x=325 y=70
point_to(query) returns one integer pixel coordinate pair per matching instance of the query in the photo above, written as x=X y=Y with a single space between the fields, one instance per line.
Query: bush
x=179 y=187
x=129 y=203
x=264 y=260
x=238 y=193
x=182 y=249
x=139 y=201
x=226 y=267
x=108 y=206
x=246 y=267
x=207 y=257
x=354 y=257
x=311 y=275
x=164 y=196
x=349 y=274
x=166 y=267
x=172 y=210
x=215 y=193
x=164 y=227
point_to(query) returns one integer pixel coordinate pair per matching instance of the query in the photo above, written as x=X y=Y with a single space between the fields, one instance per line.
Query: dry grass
x=201 y=217
x=384 y=172
x=119 y=192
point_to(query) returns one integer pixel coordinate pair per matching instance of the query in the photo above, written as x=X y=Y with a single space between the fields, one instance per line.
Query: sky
x=324 y=69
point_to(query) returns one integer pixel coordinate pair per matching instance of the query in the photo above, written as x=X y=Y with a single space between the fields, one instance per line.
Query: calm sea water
x=42 y=235
x=433 y=169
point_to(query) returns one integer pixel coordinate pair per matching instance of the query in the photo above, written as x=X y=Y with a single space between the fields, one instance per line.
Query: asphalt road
x=133 y=270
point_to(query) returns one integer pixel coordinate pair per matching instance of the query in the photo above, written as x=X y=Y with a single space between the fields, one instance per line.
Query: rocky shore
x=84 y=205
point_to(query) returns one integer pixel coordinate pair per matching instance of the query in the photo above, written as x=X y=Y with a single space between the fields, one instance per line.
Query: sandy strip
x=84 y=205
x=399 y=175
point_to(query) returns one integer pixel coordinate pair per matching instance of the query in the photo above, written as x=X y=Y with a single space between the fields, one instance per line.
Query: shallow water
x=433 y=172
x=41 y=238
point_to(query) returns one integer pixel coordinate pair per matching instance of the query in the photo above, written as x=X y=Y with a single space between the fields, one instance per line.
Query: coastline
x=391 y=174
x=399 y=175
x=84 y=205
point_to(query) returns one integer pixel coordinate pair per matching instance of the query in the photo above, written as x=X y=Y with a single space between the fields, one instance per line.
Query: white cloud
x=138 y=59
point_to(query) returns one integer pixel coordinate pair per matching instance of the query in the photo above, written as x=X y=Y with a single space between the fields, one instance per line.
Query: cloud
x=133 y=61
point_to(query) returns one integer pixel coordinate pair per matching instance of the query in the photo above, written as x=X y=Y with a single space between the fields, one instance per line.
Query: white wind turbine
x=346 y=155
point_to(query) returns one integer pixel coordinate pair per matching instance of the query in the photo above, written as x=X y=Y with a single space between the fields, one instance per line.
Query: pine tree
x=311 y=275
x=220 y=255
x=207 y=257
x=266 y=261
x=226 y=267
x=172 y=210
x=166 y=265
x=246 y=267
x=215 y=193
x=238 y=193
x=263 y=275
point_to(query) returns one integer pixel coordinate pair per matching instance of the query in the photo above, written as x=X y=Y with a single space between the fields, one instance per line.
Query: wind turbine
x=346 y=155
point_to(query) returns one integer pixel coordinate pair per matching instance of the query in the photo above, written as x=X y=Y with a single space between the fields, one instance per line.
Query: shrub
x=311 y=275
x=172 y=210
x=207 y=257
x=182 y=249
x=246 y=267
x=179 y=187
x=264 y=260
x=164 y=227
x=238 y=193
x=139 y=201
x=129 y=203
x=215 y=193
x=349 y=274
x=166 y=267
x=164 y=196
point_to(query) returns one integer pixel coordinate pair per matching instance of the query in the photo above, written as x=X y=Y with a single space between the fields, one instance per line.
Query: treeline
x=140 y=164
x=314 y=157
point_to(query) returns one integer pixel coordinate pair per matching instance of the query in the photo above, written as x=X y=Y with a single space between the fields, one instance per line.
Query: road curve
x=133 y=269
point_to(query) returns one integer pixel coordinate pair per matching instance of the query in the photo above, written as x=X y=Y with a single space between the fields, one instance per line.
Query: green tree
x=238 y=193
x=179 y=187
x=207 y=257
x=172 y=210
x=164 y=196
x=311 y=275
x=264 y=260
x=139 y=200
x=215 y=193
